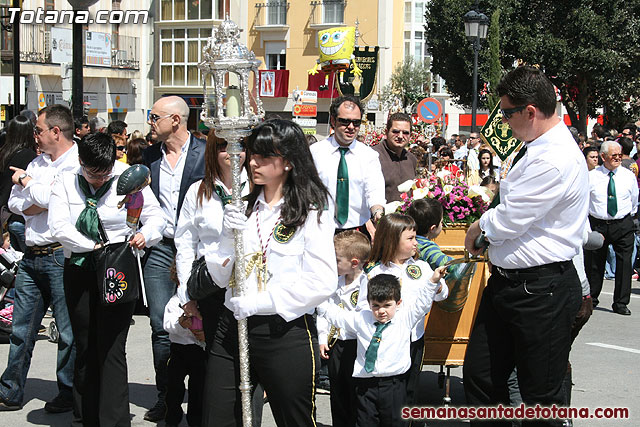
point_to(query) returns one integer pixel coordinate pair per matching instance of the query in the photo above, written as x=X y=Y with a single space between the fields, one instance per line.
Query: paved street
x=605 y=358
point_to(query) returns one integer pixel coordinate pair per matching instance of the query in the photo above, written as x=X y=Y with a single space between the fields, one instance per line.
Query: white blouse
x=67 y=202
x=301 y=270
x=198 y=231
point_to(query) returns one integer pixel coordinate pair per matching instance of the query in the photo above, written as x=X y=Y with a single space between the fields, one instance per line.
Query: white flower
x=420 y=193
x=406 y=186
x=478 y=190
x=447 y=188
x=391 y=207
x=443 y=174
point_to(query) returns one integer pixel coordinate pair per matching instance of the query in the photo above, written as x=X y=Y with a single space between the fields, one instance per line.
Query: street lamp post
x=476 y=25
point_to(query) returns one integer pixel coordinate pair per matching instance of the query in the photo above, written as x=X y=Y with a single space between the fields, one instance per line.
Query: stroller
x=8 y=268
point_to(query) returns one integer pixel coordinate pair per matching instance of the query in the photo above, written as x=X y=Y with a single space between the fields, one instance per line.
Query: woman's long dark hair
x=492 y=167
x=19 y=136
x=303 y=190
x=212 y=170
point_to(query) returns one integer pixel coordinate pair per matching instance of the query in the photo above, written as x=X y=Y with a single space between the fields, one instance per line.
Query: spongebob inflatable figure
x=336 y=52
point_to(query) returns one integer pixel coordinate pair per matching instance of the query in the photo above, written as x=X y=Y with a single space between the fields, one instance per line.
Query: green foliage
x=588 y=48
x=410 y=83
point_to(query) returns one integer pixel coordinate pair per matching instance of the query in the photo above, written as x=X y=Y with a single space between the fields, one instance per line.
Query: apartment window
x=277 y=13
x=275 y=55
x=333 y=11
x=179 y=10
x=180 y=53
x=407 y=12
x=418 y=16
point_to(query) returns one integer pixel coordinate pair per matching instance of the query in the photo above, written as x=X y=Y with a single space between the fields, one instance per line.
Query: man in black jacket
x=176 y=162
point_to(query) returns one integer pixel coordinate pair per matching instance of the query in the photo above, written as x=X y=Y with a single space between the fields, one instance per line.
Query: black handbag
x=200 y=284
x=117 y=272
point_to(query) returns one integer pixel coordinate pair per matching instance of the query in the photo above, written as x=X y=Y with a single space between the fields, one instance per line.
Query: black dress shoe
x=63 y=402
x=157 y=413
x=622 y=310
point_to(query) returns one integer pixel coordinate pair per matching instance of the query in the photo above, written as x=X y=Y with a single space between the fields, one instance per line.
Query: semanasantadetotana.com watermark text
x=41 y=16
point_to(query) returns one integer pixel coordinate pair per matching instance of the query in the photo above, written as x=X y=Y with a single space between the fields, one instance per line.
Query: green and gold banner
x=498 y=135
x=364 y=87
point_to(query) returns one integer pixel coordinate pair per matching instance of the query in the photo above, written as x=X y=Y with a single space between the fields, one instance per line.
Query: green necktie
x=87 y=222
x=342 y=188
x=612 y=201
x=372 y=352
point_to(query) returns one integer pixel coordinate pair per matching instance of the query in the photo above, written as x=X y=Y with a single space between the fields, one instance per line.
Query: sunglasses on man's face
x=154 y=117
x=508 y=112
x=346 y=122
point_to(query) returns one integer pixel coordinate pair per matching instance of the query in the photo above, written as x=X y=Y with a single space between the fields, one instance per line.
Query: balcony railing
x=272 y=13
x=36 y=46
x=327 y=12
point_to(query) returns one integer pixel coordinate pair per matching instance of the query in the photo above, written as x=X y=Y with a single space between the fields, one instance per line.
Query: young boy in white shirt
x=383 y=336
x=336 y=344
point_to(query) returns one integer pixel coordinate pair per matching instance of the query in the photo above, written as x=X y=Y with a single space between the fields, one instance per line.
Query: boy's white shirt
x=177 y=334
x=393 y=353
x=347 y=295
x=410 y=287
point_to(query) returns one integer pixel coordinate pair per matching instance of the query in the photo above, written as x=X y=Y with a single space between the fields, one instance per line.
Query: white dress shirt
x=169 y=180
x=473 y=163
x=177 y=334
x=410 y=288
x=347 y=296
x=68 y=201
x=543 y=204
x=198 y=231
x=302 y=272
x=366 y=182
x=393 y=353
x=38 y=191
x=626 y=192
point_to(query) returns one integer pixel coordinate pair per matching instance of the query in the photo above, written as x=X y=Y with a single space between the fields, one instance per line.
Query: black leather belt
x=532 y=273
x=608 y=221
x=44 y=250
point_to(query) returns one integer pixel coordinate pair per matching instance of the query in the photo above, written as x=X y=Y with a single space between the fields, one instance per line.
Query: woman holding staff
x=290 y=268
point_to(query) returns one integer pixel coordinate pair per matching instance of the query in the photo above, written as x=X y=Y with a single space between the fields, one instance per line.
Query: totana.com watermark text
x=41 y=16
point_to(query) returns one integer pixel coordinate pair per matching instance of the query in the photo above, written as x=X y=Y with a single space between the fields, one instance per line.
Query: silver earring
x=286 y=168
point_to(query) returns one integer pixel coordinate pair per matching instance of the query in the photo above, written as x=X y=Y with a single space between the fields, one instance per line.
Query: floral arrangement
x=461 y=203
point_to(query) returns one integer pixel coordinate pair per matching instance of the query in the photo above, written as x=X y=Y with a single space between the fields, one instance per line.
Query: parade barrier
x=449 y=323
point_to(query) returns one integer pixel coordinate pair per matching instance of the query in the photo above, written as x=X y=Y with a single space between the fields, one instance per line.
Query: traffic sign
x=305 y=110
x=429 y=110
x=305 y=123
x=305 y=96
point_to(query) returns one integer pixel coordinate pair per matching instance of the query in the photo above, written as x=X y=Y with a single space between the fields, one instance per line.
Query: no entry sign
x=429 y=110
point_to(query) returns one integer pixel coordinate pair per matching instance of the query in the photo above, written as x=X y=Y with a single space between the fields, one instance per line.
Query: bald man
x=176 y=161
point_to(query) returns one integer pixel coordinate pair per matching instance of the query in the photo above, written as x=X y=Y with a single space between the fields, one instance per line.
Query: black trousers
x=343 y=389
x=100 y=380
x=523 y=321
x=620 y=235
x=185 y=360
x=283 y=359
x=380 y=401
x=416 y=350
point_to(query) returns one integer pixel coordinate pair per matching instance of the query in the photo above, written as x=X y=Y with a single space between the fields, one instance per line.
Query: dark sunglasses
x=398 y=131
x=154 y=117
x=346 y=122
x=120 y=147
x=508 y=112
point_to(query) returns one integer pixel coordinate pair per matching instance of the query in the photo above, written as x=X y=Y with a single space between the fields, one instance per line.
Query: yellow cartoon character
x=336 y=51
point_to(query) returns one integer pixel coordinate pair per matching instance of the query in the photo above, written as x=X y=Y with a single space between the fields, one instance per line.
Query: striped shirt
x=431 y=253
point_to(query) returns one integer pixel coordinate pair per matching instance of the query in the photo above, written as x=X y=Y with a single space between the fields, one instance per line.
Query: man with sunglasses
x=39 y=279
x=176 y=162
x=398 y=164
x=534 y=293
x=117 y=129
x=349 y=169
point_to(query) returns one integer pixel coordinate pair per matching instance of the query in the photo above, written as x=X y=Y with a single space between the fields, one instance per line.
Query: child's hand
x=438 y=274
x=184 y=321
x=324 y=351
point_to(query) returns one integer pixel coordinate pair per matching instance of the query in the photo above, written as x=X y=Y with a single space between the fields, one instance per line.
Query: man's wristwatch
x=21 y=177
